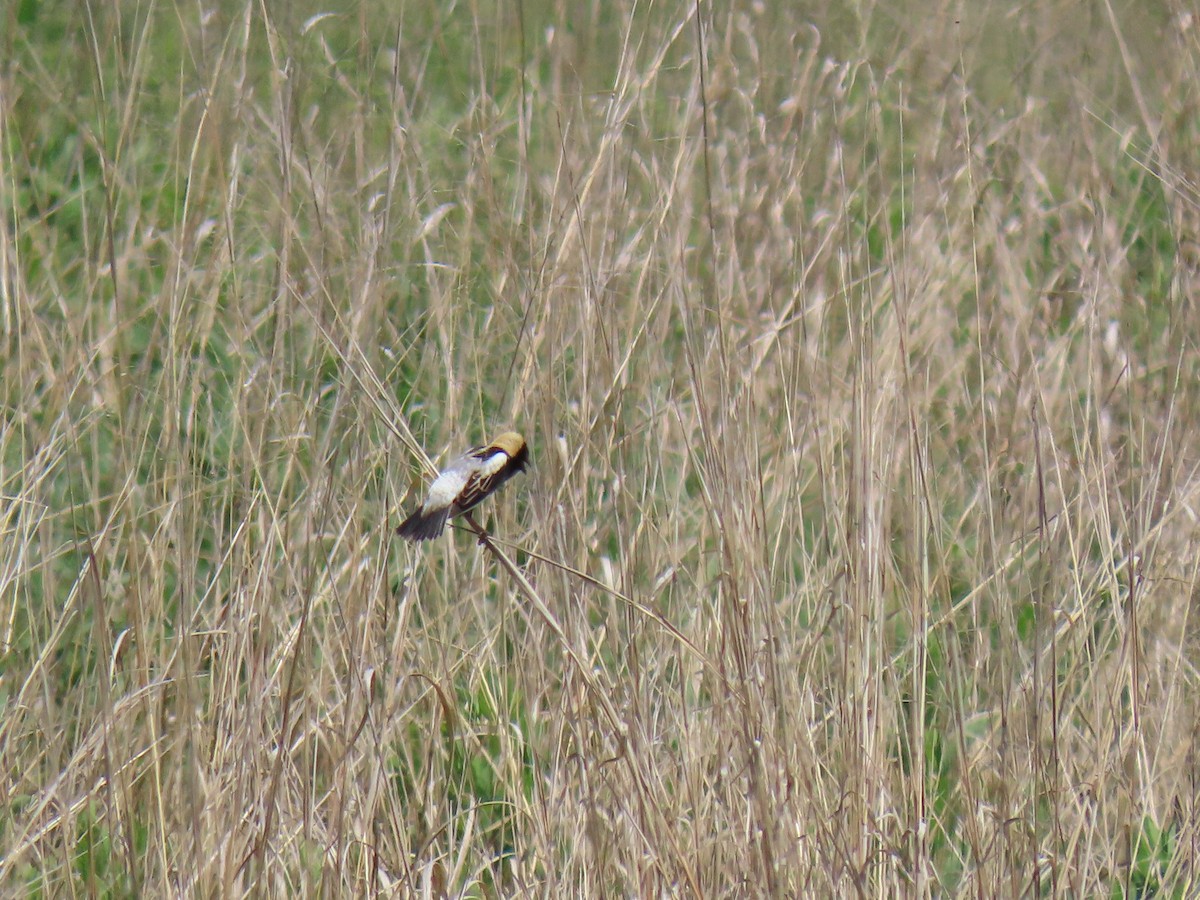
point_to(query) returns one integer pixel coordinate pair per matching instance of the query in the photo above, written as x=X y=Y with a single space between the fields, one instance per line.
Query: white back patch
x=493 y=464
x=446 y=487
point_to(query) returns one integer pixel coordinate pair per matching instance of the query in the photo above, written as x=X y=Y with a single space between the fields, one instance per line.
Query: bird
x=465 y=483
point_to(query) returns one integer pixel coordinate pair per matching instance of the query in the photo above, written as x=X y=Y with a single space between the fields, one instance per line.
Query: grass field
x=857 y=352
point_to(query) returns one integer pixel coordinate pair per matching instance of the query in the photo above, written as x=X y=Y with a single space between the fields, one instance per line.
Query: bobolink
x=465 y=483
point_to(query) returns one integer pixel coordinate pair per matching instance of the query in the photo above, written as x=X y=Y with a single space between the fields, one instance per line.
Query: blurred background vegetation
x=856 y=346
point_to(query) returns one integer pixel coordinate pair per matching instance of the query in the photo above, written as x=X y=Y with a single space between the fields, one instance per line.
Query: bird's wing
x=488 y=475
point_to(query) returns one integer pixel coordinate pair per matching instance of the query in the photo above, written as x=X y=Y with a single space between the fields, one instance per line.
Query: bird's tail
x=424 y=526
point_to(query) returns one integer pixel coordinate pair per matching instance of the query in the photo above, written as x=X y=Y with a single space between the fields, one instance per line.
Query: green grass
x=857 y=554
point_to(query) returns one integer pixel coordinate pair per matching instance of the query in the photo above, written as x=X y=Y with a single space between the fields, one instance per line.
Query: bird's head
x=516 y=448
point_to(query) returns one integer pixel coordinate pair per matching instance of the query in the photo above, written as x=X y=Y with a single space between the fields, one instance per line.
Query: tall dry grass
x=857 y=352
